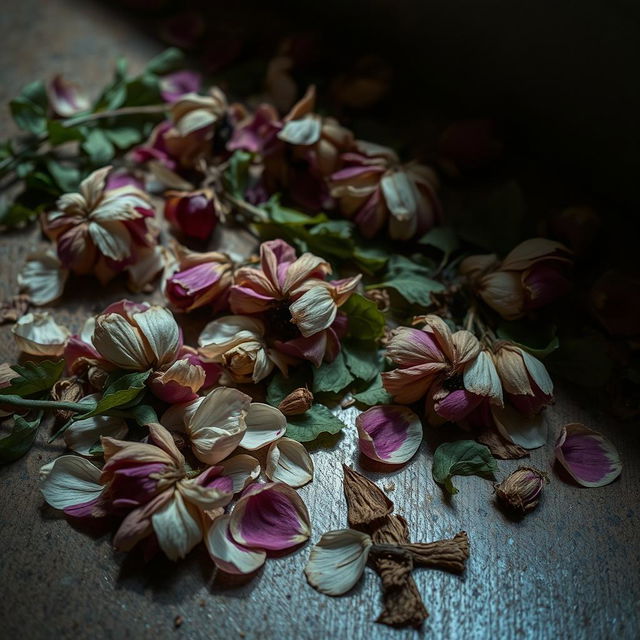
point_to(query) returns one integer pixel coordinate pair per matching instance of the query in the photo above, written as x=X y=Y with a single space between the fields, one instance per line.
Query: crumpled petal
x=227 y=554
x=337 y=561
x=288 y=461
x=161 y=331
x=481 y=378
x=270 y=516
x=589 y=457
x=390 y=434
x=40 y=335
x=43 y=277
x=243 y=469
x=70 y=481
x=314 y=311
x=529 y=431
x=177 y=526
x=83 y=435
x=264 y=425
x=223 y=334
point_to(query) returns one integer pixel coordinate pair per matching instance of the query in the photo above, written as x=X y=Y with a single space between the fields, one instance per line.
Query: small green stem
x=18 y=401
x=114 y=113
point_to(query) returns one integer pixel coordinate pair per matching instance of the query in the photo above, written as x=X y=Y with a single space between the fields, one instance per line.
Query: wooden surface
x=570 y=570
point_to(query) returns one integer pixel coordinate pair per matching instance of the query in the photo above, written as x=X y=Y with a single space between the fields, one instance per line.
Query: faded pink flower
x=194 y=213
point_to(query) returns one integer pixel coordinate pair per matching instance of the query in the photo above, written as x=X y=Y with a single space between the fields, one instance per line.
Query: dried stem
x=449 y=555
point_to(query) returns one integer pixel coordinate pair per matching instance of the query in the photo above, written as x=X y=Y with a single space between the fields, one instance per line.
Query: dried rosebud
x=297 y=402
x=194 y=213
x=380 y=297
x=520 y=491
x=66 y=390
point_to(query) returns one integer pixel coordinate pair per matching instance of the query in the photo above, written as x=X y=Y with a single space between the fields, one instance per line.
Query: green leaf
x=29 y=109
x=309 y=425
x=414 y=289
x=238 y=173
x=370 y=258
x=288 y=217
x=374 y=394
x=59 y=134
x=461 y=458
x=143 y=90
x=366 y=322
x=121 y=390
x=583 y=361
x=98 y=147
x=362 y=359
x=332 y=238
x=332 y=377
x=280 y=387
x=21 y=438
x=538 y=339
x=15 y=214
x=124 y=137
x=443 y=238
x=115 y=93
x=34 y=377
x=171 y=59
x=143 y=414
x=66 y=177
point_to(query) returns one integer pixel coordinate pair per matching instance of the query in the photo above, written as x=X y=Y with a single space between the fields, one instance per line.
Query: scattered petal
x=243 y=469
x=529 y=431
x=177 y=527
x=70 y=481
x=43 y=277
x=40 y=335
x=288 y=461
x=264 y=425
x=83 y=435
x=227 y=554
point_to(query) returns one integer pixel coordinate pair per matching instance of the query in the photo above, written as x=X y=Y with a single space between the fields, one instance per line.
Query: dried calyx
x=520 y=491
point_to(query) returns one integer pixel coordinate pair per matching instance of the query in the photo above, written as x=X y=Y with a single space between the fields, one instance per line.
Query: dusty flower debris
x=363 y=288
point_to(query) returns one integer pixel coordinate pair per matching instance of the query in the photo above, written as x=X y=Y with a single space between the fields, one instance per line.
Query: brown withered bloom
x=520 y=491
x=297 y=402
x=68 y=390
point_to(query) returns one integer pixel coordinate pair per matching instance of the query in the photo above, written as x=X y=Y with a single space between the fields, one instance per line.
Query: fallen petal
x=242 y=469
x=264 y=425
x=337 y=561
x=288 y=461
x=40 y=335
x=529 y=431
x=83 y=435
x=589 y=457
x=227 y=554
x=43 y=277
x=70 y=481
x=390 y=434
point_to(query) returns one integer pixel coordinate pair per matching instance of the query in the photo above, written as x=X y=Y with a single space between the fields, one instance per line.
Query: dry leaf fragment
x=500 y=447
x=367 y=504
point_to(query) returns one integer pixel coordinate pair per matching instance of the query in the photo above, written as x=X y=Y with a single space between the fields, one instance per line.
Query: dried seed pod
x=297 y=402
x=67 y=390
x=520 y=491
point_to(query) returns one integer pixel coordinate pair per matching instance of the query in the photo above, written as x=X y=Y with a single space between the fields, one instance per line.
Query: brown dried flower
x=520 y=491
x=68 y=390
x=297 y=402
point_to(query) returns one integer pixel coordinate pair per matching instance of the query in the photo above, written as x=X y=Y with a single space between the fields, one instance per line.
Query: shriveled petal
x=218 y=424
x=120 y=343
x=504 y=293
x=305 y=131
x=243 y=469
x=83 y=435
x=337 y=561
x=588 y=456
x=225 y=333
x=288 y=461
x=69 y=481
x=538 y=373
x=533 y=250
x=409 y=347
x=179 y=383
x=399 y=195
x=439 y=329
x=227 y=554
x=40 y=335
x=529 y=431
x=314 y=311
x=177 y=527
x=390 y=434
x=270 y=516
x=162 y=334
x=43 y=277
x=112 y=238
x=512 y=371
x=481 y=378
x=264 y=425
x=411 y=384
x=306 y=266
x=206 y=498
x=465 y=347
x=137 y=524
x=178 y=416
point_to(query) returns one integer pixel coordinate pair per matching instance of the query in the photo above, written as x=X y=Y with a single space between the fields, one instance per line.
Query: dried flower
x=39 y=334
x=520 y=491
x=288 y=461
x=68 y=389
x=194 y=213
x=380 y=297
x=297 y=402
x=375 y=190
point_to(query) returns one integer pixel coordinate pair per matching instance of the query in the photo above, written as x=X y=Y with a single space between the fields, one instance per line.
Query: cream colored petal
x=195 y=120
x=512 y=371
x=119 y=205
x=399 y=195
x=43 y=277
x=439 y=329
x=314 y=311
x=204 y=498
x=227 y=554
x=336 y=563
x=162 y=334
x=225 y=333
x=150 y=262
x=538 y=372
x=480 y=377
x=178 y=416
x=40 y=335
x=86 y=333
x=111 y=238
x=243 y=469
x=305 y=131
x=288 y=461
x=466 y=347
x=68 y=481
x=504 y=293
x=263 y=366
x=264 y=425
x=302 y=268
x=93 y=186
x=177 y=527
x=185 y=374
x=117 y=341
x=83 y=435
x=533 y=250
x=529 y=432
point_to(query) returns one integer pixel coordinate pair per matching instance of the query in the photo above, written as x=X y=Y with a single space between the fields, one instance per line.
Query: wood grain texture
x=569 y=570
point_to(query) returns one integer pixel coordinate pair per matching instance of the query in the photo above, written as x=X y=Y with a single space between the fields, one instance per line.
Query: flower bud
x=66 y=390
x=520 y=491
x=297 y=402
x=97 y=377
x=194 y=213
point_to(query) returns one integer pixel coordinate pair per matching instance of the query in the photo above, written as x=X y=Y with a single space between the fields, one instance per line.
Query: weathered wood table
x=570 y=570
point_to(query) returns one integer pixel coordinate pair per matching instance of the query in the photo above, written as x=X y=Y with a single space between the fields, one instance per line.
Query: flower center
x=454 y=382
x=279 y=324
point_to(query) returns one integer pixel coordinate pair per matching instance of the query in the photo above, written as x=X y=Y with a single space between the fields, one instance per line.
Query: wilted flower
x=374 y=189
x=65 y=98
x=294 y=300
x=67 y=389
x=39 y=334
x=532 y=275
x=201 y=279
x=520 y=491
x=194 y=213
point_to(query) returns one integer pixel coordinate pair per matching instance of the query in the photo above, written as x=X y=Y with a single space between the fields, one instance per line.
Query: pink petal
x=312 y=348
x=65 y=98
x=457 y=405
x=227 y=554
x=174 y=85
x=270 y=516
x=389 y=434
x=246 y=300
x=589 y=457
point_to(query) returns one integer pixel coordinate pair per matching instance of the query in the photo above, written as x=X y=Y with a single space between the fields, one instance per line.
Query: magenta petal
x=174 y=85
x=312 y=348
x=457 y=405
x=84 y=509
x=590 y=458
x=132 y=486
x=389 y=434
x=270 y=516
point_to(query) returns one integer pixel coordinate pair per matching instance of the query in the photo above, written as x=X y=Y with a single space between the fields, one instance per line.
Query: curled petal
x=120 y=343
x=400 y=196
x=40 y=335
x=270 y=516
x=529 y=431
x=589 y=457
x=177 y=526
x=314 y=311
x=288 y=461
x=264 y=425
x=305 y=131
x=177 y=417
x=533 y=250
x=225 y=333
x=243 y=469
x=390 y=434
x=465 y=347
x=337 y=561
x=409 y=347
x=179 y=383
x=162 y=334
x=409 y=385
x=481 y=378
x=70 y=481
x=137 y=524
x=43 y=277
x=207 y=491
x=538 y=373
x=83 y=435
x=227 y=554
x=503 y=292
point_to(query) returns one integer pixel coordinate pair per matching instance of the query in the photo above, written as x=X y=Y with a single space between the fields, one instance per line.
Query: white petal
x=111 y=238
x=264 y=425
x=304 y=131
x=82 y=435
x=314 y=311
x=159 y=327
x=288 y=461
x=481 y=377
x=68 y=481
x=399 y=195
x=40 y=335
x=176 y=417
x=218 y=424
x=43 y=277
x=243 y=469
x=225 y=333
x=227 y=554
x=337 y=561
x=117 y=341
x=538 y=372
x=204 y=498
x=177 y=527
x=86 y=333
x=529 y=432
x=195 y=120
